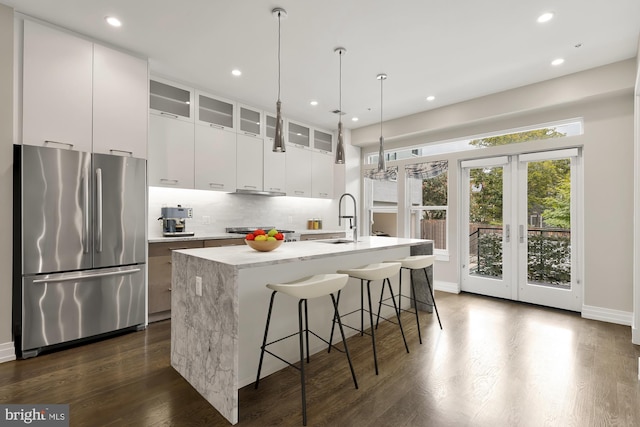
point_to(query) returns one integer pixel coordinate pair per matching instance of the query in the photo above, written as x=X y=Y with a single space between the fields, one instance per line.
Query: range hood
x=259 y=192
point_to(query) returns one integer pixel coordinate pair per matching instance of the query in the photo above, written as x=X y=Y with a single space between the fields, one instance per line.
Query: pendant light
x=382 y=166
x=340 y=147
x=278 y=142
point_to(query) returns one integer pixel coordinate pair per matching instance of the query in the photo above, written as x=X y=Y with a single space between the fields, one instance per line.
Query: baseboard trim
x=7 y=352
x=607 y=315
x=450 y=287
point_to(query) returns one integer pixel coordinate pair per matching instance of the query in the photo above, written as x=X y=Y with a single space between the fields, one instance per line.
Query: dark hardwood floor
x=496 y=363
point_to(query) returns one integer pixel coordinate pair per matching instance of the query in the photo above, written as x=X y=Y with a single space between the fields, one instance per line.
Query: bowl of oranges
x=264 y=241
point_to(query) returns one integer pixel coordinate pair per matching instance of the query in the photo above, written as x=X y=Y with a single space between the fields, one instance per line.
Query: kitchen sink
x=334 y=241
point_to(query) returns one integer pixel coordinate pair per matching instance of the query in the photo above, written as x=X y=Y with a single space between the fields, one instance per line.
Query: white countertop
x=245 y=257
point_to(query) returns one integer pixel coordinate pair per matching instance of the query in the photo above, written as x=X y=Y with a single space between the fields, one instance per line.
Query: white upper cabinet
x=215 y=159
x=171 y=152
x=120 y=103
x=322 y=141
x=170 y=100
x=275 y=173
x=321 y=175
x=250 y=163
x=82 y=96
x=215 y=112
x=250 y=121
x=57 y=89
x=298 y=167
x=298 y=134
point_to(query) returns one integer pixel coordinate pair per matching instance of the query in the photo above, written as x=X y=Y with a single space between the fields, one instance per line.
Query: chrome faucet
x=352 y=225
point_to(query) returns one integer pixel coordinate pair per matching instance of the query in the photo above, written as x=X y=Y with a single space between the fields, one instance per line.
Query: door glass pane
x=485 y=221
x=549 y=223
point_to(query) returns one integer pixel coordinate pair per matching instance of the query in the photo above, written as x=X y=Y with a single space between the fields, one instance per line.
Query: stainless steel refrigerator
x=79 y=246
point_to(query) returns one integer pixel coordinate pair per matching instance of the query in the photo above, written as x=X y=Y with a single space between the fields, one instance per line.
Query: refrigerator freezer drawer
x=57 y=308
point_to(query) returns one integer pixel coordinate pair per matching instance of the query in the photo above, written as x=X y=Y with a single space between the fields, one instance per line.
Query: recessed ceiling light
x=113 y=21
x=545 y=17
x=314 y=102
x=557 y=61
x=354 y=119
x=430 y=98
x=236 y=72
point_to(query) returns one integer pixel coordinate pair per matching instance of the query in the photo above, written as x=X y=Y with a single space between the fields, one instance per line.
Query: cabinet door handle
x=298 y=192
x=216 y=185
x=169 y=181
x=250 y=133
x=274 y=189
x=115 y=150
x=213 y=125
x=168 y=114
x=169 y=289
x=48 y=141
x=177 y=249
x=250 y=186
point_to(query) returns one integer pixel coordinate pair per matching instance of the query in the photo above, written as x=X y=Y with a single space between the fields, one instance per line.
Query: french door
x=521 y=223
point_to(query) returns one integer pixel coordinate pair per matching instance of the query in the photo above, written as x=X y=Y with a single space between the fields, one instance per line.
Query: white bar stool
x=378 y=271
x=412 y=263
x=305 y=289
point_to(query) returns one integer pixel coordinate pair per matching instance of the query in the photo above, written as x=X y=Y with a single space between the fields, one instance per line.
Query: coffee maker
x=173 y=221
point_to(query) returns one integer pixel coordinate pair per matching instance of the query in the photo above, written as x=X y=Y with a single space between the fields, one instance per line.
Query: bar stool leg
x=333 y=324
x=306 y=329
x=415 y=304
x=362 y=307
x=433 y=298
x=344 y=340
x=264 y=340
x=382 y=295
x=395 y=307
x=373 y=335
x=302 y=381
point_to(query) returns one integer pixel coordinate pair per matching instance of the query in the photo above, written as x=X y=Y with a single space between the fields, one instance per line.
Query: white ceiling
x=454 y=50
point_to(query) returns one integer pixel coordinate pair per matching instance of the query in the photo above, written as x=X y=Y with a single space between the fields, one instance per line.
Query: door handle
x=507 y=233
x=85 y=276
x=521 y=233
x=99 y=209
x=85 y=213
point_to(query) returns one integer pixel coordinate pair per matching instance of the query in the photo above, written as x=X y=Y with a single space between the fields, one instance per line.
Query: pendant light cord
x=279 y=55
x=381 y=104
x=340 y=94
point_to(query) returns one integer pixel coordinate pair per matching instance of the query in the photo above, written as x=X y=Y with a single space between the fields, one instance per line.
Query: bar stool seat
x=411 y=263
x=376 y=271
x=304 y=289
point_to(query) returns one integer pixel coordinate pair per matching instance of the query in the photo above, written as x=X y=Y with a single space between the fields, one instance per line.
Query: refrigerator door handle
x=84 y=276
x=85 y=236
x=99 y=210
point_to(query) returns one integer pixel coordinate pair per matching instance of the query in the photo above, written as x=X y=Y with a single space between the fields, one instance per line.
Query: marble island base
x=219 y=306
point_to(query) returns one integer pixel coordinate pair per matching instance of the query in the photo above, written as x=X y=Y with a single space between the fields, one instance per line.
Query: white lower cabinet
x=215 y=159
x=249 y=163
x=275 y=173
x=321 y=175
x=298 y=167
x=171 y=152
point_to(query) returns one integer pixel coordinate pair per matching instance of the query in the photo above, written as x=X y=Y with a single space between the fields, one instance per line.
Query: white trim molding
x=7 y=352
x=451 y=287
x=607 y=315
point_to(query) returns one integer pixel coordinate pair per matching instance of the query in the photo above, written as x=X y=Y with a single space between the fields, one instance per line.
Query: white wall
x=6 y=178
x=606 y=104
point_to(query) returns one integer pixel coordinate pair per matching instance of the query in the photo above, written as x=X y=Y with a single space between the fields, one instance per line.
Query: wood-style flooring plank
x=496 y=363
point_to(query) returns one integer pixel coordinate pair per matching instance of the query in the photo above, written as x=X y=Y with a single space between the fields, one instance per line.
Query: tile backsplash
x=213 y=211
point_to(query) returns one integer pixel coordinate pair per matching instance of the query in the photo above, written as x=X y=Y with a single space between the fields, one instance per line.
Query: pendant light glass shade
x=278 y=141
x=340 y=146
x=382 y=165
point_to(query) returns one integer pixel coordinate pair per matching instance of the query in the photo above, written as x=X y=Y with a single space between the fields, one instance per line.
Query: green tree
x=434 y=193
x=544 y=194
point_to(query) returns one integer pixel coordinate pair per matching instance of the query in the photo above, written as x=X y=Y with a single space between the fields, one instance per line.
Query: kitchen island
x=219 y=306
